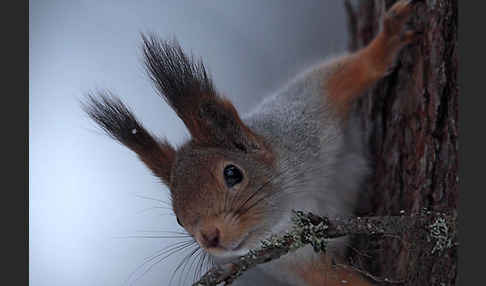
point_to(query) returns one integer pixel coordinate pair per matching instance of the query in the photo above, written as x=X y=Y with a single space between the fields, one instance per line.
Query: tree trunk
x=411 y=116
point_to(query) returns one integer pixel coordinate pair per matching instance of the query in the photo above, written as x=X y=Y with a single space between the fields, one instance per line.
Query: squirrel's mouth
x=233 y=250
x=238 y=245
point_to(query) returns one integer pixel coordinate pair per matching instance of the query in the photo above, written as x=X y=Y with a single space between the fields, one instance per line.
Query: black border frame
x=471 y=142
x=14 y=115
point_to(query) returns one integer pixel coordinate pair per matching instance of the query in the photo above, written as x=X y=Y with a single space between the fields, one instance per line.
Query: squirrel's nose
x=210 y=237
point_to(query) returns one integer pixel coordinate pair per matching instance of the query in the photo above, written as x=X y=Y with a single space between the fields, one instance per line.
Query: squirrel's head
x=222 y=180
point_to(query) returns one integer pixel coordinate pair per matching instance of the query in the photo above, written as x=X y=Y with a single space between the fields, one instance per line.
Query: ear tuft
x=180 y=80
x=118 y=122
x=187 y=88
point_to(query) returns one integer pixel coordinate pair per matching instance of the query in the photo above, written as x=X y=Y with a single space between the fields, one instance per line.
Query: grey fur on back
x=323 y=164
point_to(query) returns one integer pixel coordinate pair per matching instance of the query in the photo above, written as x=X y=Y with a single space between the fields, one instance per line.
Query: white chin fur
x=227 y=256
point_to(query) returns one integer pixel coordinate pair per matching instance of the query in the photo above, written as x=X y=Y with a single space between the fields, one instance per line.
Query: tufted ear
x=119 y=123
x=185 y=85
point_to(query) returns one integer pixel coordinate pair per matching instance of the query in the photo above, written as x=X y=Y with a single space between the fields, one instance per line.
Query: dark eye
x=232 y=175
x=179 y=221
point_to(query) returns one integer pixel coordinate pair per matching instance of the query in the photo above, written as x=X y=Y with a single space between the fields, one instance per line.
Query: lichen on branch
x=309 y=228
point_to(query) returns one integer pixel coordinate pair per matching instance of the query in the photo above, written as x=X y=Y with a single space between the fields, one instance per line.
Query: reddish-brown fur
x=158 y=160
x=323 y=273
x=357 y=72
x=202 y=219
x=265 y=151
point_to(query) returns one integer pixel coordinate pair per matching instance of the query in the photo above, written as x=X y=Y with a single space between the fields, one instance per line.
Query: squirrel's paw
x=394 y=24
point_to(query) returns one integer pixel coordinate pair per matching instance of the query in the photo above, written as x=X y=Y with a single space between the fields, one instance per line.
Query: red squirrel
x=238 y=178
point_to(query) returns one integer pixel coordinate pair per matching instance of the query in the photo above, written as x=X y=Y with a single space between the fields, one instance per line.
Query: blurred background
x=93 y=205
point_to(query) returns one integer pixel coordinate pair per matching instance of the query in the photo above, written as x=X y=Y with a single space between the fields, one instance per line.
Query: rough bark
x=411 y=117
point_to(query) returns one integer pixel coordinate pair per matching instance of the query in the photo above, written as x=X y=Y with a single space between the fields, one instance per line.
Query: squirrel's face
x=222 y=181
x=222 y=198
